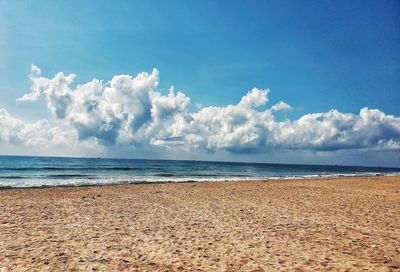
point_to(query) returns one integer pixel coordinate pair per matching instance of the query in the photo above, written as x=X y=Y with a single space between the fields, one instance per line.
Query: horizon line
x=192 y=160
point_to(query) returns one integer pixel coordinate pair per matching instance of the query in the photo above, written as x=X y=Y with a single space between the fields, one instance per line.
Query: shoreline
x=250 y=179
x=350 y=223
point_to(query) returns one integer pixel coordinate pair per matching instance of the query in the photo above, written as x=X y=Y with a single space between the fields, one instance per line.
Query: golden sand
x=343 y=224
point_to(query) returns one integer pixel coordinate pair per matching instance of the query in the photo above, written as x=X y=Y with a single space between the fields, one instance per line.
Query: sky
x=264 y=81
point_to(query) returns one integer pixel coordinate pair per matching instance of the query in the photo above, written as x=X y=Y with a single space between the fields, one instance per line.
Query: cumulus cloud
x=334 y=130
x=41 y=138
x=16 y=131
x=131 y=111
x=39 y=134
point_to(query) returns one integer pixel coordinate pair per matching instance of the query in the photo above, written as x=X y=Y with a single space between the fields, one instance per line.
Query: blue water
x=18 y=171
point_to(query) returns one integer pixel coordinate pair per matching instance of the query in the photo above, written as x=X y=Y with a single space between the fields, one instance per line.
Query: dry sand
x=344 y=224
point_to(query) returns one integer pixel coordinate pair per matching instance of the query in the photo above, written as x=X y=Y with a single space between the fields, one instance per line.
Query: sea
x=27 y=172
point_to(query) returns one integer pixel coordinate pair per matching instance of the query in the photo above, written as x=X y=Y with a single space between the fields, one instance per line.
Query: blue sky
x=313 y=55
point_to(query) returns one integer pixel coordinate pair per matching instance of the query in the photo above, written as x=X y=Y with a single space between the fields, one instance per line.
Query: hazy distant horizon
x=190 y=160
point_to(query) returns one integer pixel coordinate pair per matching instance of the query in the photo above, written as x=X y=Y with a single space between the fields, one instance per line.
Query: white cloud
x=130 y=111
x=42 y=137
x=281 y=106
x=16 y=131
x=334 y=130
x=254 y=98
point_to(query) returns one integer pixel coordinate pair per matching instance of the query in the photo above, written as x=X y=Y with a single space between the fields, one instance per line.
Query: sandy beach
x=343 y=224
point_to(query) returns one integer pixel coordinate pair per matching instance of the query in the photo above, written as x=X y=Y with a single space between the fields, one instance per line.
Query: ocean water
x=16 y=171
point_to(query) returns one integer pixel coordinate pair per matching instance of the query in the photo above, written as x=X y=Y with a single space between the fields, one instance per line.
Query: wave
x=96 y=168
x=82 y=180
x=69 y=176
x=122 y=168
x=165 y=175
x=13 y=177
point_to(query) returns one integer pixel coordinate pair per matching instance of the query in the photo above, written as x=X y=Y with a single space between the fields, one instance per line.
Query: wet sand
x=343 y=224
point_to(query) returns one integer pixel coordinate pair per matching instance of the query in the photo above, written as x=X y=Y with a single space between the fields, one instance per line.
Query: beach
x=339 y=224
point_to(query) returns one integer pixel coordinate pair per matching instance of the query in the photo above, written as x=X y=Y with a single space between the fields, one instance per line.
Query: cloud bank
x=131 y=112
